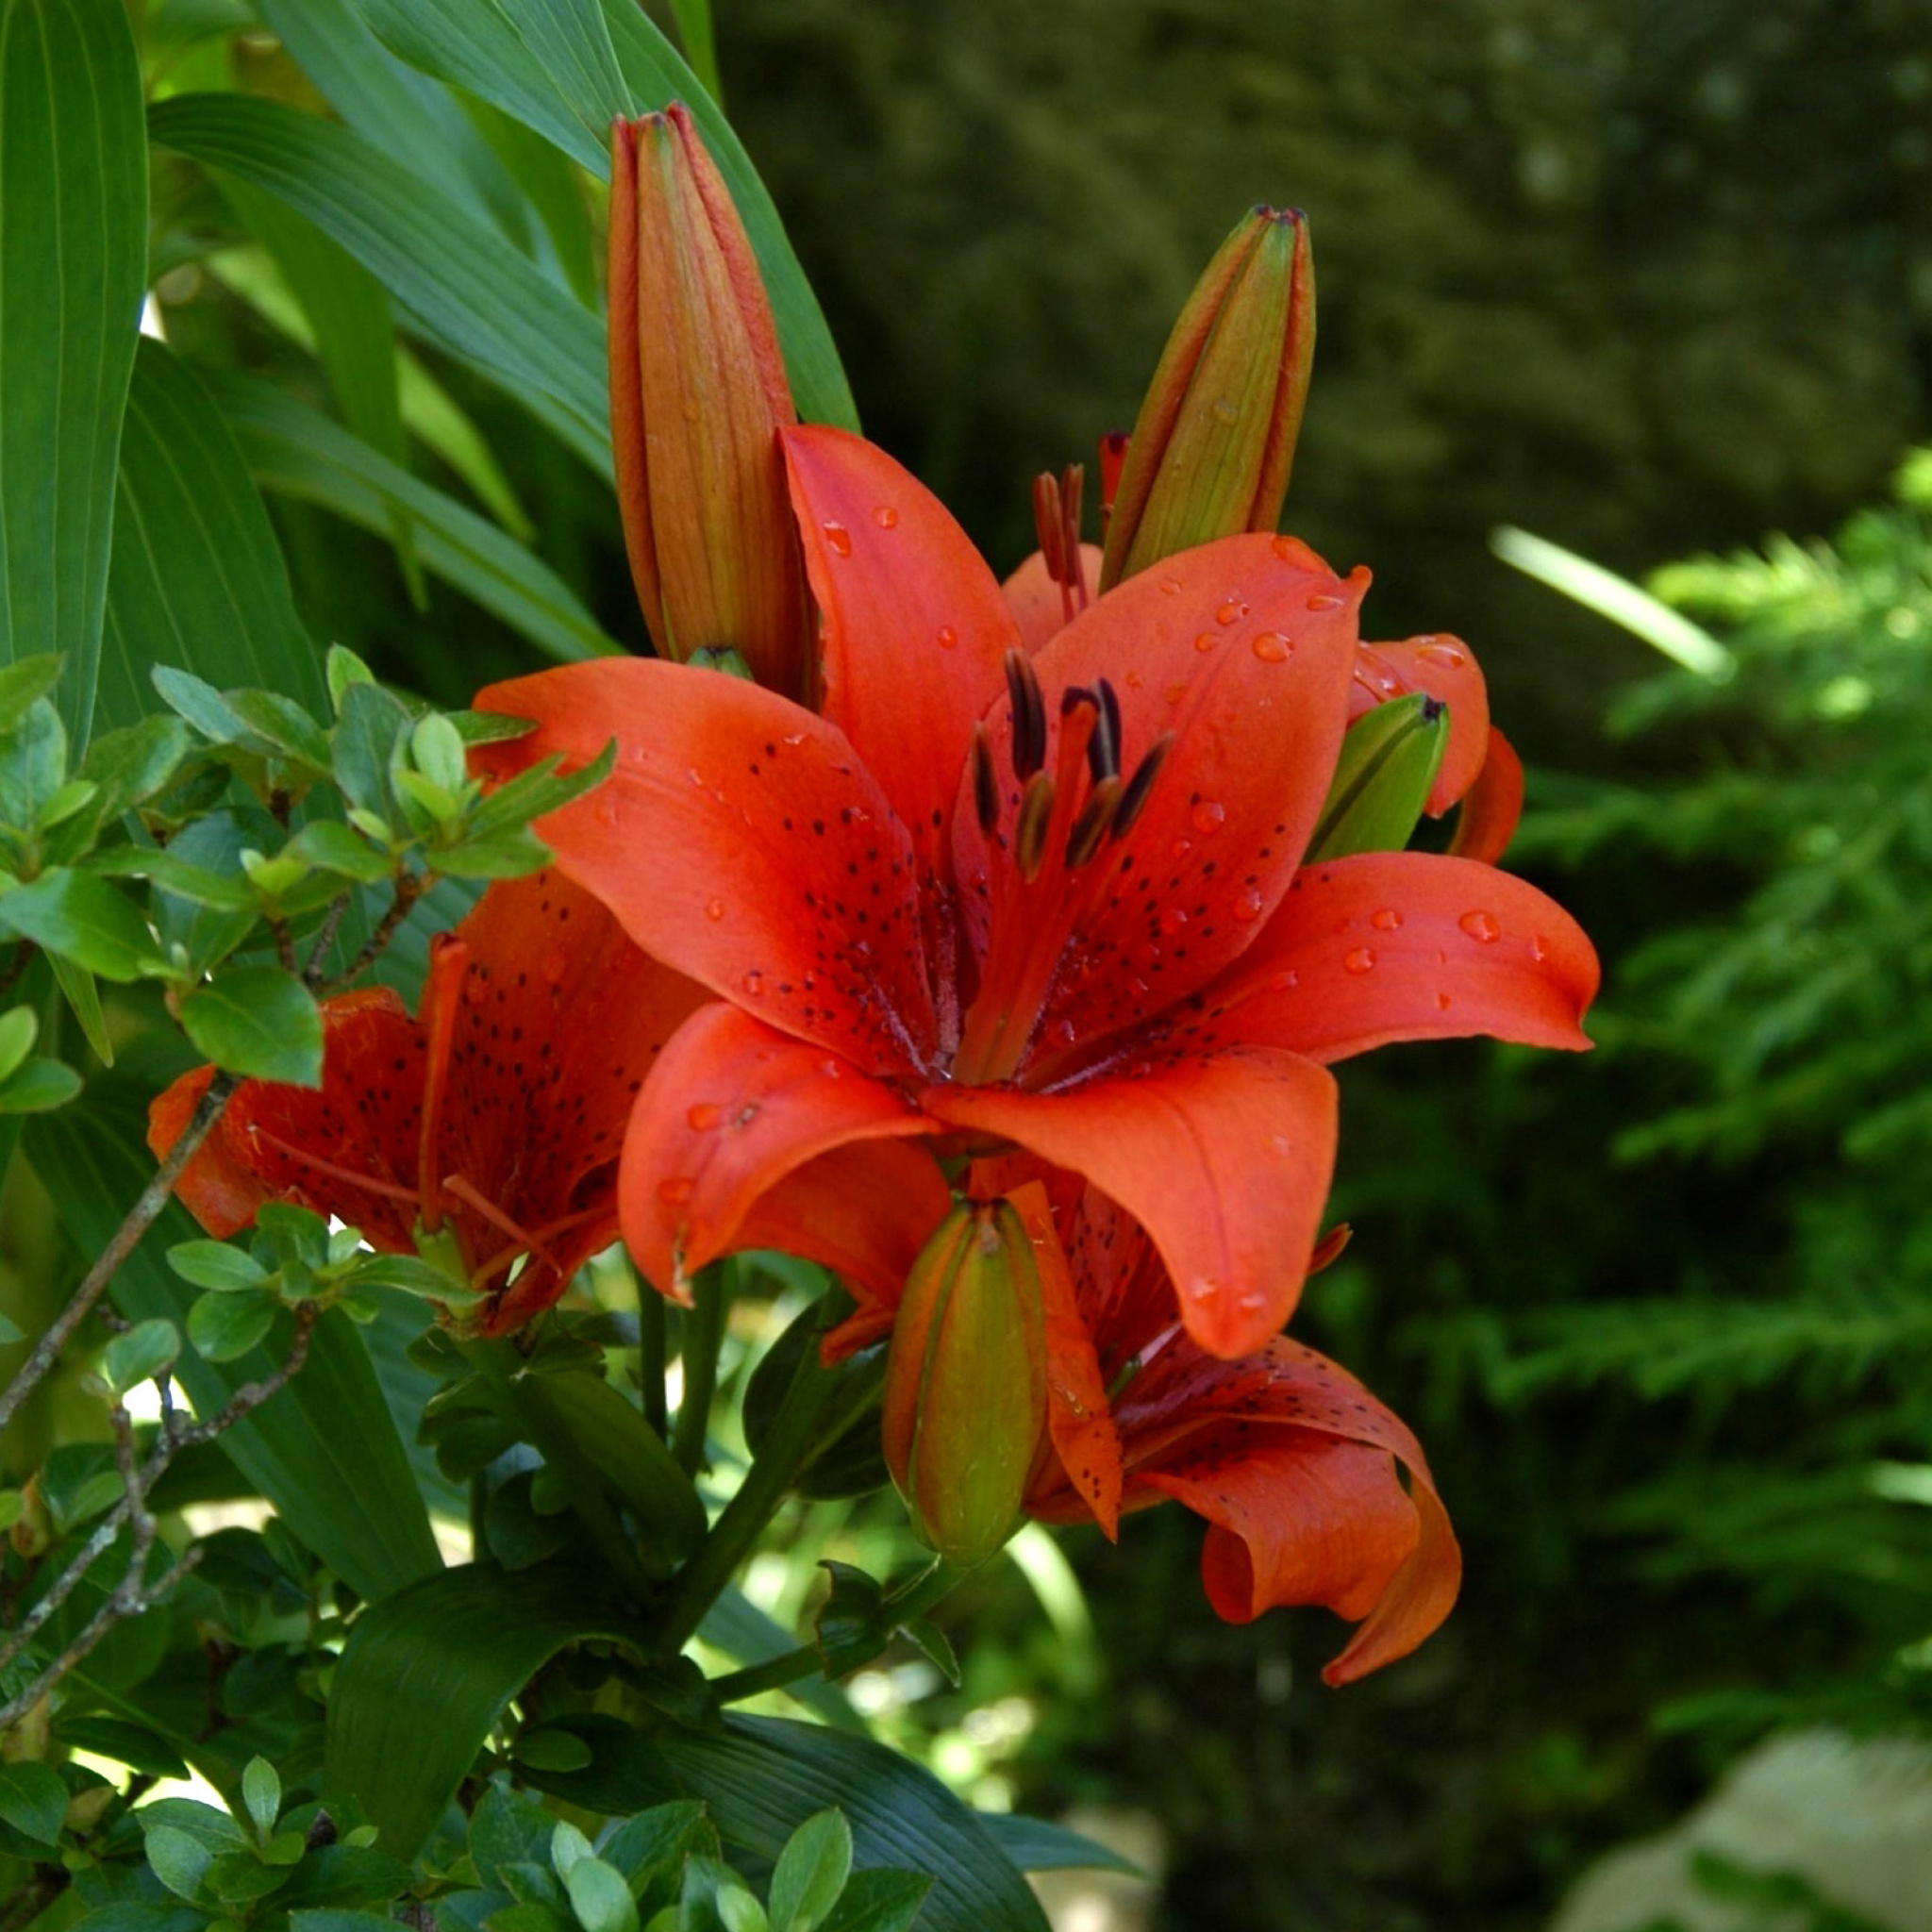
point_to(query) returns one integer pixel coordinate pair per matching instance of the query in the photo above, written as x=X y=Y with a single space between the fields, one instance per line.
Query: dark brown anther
x=1104 y=747
x=1029 y=714
x=986 y=789
x=1134 y=798
x=1091 y=827
x=1073 y=697
x=1049 y=525
x=1029 y=833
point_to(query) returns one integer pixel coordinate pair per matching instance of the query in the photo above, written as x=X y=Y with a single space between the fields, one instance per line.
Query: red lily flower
x=497 y=1113
x=1291 y=1461
x=1073 y=922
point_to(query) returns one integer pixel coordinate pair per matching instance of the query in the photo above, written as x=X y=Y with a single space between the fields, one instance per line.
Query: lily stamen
x=504 y=1257
x=478 y=1202
x=1134 y=797
x=1029 y=714
x=389 y=1191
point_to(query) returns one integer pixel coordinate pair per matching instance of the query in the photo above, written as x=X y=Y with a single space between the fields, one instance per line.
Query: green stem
x=775 y=1468
x=937 y=1579
x=650 y=1351
x=703 y=1335
x=525 y=1407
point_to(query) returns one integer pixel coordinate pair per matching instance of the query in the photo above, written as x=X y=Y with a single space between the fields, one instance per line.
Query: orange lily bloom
x=1073 y=920
x=497 y=1114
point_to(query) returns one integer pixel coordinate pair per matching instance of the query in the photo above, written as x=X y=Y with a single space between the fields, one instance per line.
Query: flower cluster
x=995 y=953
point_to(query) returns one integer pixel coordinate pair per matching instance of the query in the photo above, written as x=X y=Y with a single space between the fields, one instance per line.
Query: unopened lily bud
x=1382 y=784
x=1211 y=452
x=697 y=396
x=965 y=1402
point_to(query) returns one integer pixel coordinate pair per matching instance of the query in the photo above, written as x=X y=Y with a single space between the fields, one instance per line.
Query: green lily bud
x=1214 y=443
x=965 y=1401
x=1388 y=762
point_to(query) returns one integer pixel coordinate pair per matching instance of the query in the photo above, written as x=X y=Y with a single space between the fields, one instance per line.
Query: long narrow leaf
x=294 y=451
x=466 y=283
x=197 y=579
x=570 y=40
x=427 y=1674
x=324 y=1450
x=72 y=257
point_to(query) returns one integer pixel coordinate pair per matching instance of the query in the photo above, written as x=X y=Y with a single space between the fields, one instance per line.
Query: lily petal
x=1310 y=1513
x=1445 y=668
x=731 y=1109
x=1404 y=946
x=1242 y=651
x=914 y=626
x=1038 y=603
x=1225 y=1159
x=741 y=841
x=360 y=1122
x=1491 y=806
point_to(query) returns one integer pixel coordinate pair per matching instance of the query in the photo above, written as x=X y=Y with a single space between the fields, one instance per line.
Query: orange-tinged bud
x=698 y=395
x=1214 y=443
x=965 y=1403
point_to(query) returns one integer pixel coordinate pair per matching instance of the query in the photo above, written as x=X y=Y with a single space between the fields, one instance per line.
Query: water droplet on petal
x=1173 y=919
x=606 y=807
x=839 y=537
x=676 y=1190
x=1359 y=961
x=1204 y=1287
x=1386 y=920
x=1252 y=1303
x=1205 y=642
x=1285 y=982
x=1207 y=815
x=1232 y=609
x=1539 y=949
x=1175 y=693
x=702 y=1118
x=714 y=908
x=754 y=981
x=1287 y=549
x=1181 y=848
x=1447 y=655
x=1170 y=587
x=794 y=738
x=1226 y=411
x=1481 y=926
x=1247 y=907
x=553 y=966
x=832 y=1069
x=1272 y=647
x=886 y=517
x=1326 y=600
x=945 y=636
x=1281 y=1144
x=1443 y=1001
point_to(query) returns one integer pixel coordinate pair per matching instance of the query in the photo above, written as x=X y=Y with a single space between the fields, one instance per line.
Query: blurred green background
x=1654 y=281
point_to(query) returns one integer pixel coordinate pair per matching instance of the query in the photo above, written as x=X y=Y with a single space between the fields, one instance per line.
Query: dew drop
x=886 y=517
x=1181 y=848
x=832 y=1069
x=794 y=738
x=1173 y=919
x=1204 y=1287
x=1287 y=549
x=1447 y=655
x=1247 y=908
x=1252 y=1303
x=1285 y=982
x=714 y=908
x=1280 y=1144
x=1326 y=600
x=1481 y=926
x=676 y=1190
x=945 y=636
x=1386 y=920
x=1272 y=647
x=1170 y=587
x=839 y=537
x=553 y=966
x=702 y=1118
x=1132 y=680
x=1539 y=949
x=1443 y=1001
x=1232 y=610
x=754 y=981
x=606 y=807
x=1207 y=815
x=1175 y=693
x=1205 y=642
x=1359 y=961
x=1226 y=411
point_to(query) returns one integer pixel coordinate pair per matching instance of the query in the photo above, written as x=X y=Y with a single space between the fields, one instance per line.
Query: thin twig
x=141 y=1217
x=408 y=889
x=33 y=1898
x=284 y=942
x=312 y=973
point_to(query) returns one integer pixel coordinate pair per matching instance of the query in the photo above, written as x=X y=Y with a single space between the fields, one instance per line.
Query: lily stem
x=899 y=1608
x=731 y=1539
x=703 y=1335
x=651 y=1353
